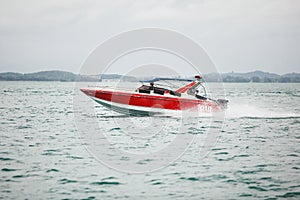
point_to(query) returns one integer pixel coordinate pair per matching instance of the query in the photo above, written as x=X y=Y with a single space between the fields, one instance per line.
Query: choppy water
x=256 y=155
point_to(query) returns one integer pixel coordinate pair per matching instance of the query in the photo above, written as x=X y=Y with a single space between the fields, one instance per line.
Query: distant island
x=255 y=76
x=63 y=76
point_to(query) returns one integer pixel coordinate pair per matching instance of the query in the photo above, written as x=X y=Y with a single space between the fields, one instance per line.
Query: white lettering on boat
x=204 y=108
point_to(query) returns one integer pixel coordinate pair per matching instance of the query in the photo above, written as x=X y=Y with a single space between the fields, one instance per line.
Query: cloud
x=19 y=15
x=234 y=32
x=16 y=15
x=215 y=9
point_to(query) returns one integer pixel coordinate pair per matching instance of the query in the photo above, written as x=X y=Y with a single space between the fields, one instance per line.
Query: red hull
x=153 y=101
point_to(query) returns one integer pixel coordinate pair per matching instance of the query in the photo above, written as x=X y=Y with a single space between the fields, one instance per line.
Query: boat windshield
x=198 y=91
x=171 y=86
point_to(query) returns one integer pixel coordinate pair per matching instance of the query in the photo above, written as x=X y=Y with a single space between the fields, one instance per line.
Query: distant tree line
x=256 y=77
x=60 y=76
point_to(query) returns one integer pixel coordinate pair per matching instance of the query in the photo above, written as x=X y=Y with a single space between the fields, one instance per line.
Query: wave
x=253 y=112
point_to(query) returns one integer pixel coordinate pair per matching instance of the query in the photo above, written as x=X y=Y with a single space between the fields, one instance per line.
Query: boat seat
x=144 y=91
x=200 y=97
x=159 y=91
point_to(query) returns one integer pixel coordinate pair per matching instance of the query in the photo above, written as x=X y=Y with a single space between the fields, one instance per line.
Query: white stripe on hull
x=140 y=110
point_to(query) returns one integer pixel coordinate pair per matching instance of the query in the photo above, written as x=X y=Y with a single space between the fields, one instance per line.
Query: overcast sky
x=238 y=35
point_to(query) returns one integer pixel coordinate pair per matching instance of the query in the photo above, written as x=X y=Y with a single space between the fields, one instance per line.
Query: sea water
x=45 y=154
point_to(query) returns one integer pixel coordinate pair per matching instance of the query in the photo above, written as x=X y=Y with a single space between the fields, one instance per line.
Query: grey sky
x=237 y=35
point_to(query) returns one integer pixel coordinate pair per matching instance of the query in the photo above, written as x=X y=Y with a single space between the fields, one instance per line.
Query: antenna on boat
x=198 y=78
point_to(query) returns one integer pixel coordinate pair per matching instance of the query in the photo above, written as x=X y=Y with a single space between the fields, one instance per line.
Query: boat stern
x=222 y=103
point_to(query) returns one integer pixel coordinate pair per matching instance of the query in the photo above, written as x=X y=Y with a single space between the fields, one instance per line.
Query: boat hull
x=148 y=104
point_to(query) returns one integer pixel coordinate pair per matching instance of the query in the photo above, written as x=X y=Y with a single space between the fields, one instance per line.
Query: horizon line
x=233 y=71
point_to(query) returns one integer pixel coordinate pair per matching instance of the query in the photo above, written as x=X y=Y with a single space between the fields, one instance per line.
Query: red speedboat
x=153 y=100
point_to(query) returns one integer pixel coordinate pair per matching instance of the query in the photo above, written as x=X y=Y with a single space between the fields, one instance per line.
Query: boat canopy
x=166 y=79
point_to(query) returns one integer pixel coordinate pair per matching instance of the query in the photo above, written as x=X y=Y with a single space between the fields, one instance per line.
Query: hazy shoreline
x=64 y=76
